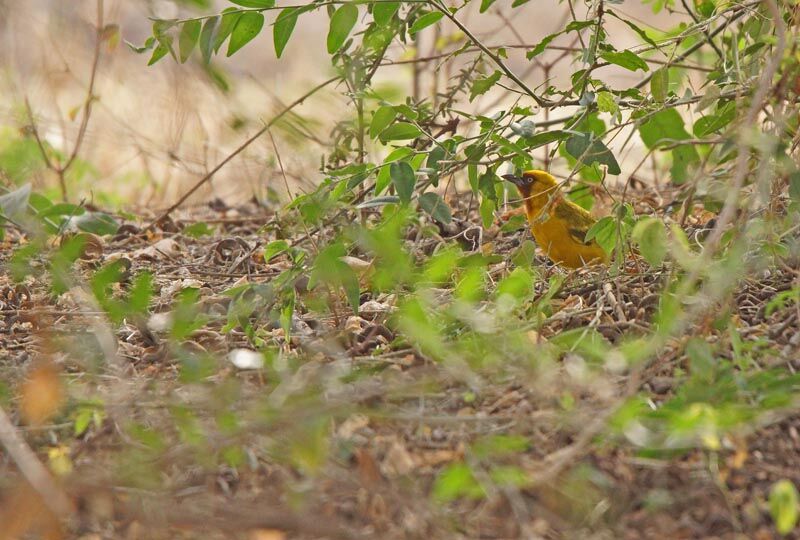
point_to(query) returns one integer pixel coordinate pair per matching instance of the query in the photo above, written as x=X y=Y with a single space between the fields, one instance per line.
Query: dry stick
x=87 y=108
x=32 y=469
x=236 y=152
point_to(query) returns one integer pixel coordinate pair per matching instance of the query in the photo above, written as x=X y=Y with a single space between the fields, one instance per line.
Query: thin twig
x=241 y=147
x=32 y=469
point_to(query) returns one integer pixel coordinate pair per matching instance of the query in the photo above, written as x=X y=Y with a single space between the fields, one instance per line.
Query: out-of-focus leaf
x=659 y=84
x=433 y=204
x=486 y=4
x=457 y=481
x=667 y=127
x=96 y=223
x=783 y=506
x=15 y=202
x=651 y=236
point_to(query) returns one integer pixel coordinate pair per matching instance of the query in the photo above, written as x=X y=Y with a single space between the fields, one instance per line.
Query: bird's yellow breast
x=555 y=231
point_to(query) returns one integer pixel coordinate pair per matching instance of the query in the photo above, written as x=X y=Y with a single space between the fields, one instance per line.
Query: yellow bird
x=558 y=225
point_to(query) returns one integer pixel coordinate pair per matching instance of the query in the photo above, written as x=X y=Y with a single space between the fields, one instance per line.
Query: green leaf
x=577 y=26
x=254 y=3
x=659 y=84
x=667 y=127
x=456 y=481
x=230 y=17
x=518 y=285
x=196 y=230
x=540 y=47
x=486 y=4
x=247 y=27
x=97 y=223
x=783 y=506
x=433 y=204
x=382 y=12
x=483 y=84
x=159 y=52
x=190 y=33
x=400 y=131
x=274 y=249
x=148 y=44
x=642 y=33
x=404 y=180
x=384 y=177
x=604 y=232
x=546 y=137
x=62 y=209
x=587 y=149
x=606 y=103
x=283 y=28
x=342 y=23
x=794 y=186
x=517 y=3
x=574 y=26
x=381 y=118
x=426 y=20
x=625 y=59
x=329 y=268
x=487 y=212
x=207 y=38
x=712 y=123
x=651 y=236
x=140 y=294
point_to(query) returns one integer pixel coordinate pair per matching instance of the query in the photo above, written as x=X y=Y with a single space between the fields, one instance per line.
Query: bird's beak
x=514 y=179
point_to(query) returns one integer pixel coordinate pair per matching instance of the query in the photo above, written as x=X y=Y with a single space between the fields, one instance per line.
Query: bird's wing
x=579 y=221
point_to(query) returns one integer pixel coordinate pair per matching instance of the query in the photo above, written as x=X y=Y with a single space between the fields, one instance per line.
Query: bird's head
x=533 y=182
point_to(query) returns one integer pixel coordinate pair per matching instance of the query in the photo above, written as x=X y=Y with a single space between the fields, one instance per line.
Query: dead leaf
x=351 y=424
x=361 y=267
x=398 y=462
x=267 y=534
x=368 y=470
x=41 y=394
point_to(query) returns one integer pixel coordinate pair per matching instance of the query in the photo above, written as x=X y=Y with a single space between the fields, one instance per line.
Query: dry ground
x=393 y=428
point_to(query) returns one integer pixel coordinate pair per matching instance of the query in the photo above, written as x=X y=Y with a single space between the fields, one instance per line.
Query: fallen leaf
x=41 y=394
